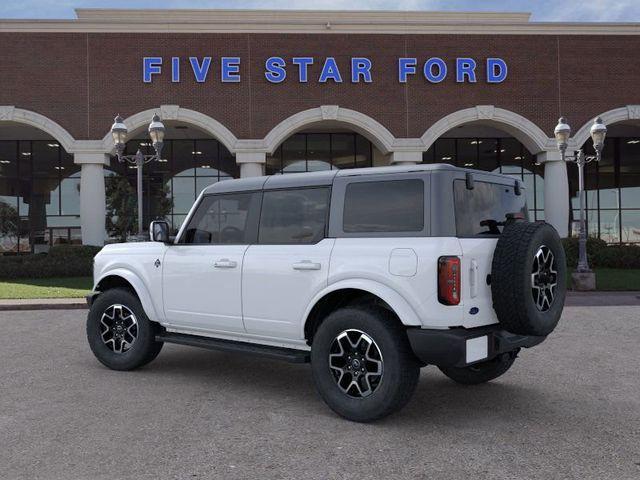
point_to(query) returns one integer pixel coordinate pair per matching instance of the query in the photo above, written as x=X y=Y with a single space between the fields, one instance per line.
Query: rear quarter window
x=483 y=210
x=384 y=206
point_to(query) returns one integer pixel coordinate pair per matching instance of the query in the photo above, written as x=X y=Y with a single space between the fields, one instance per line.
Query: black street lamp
x=156 y=132
x=562 y=133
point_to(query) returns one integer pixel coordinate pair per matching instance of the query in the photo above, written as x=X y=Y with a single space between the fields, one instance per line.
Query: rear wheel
x=119 y=333
x=481 y=372
x=362 y=364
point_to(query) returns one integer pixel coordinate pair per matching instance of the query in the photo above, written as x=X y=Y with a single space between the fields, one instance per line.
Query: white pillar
x=405 y=158
x=556 y=191
x=251 y=163
x=92 y=197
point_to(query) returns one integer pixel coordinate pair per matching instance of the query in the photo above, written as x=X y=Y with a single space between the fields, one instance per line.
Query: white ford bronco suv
x=368 y=274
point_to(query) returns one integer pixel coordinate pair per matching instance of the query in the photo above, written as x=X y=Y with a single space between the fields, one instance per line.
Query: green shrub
x=601 y=255
x=571 y=249
x=61 y=261
x=618 y=256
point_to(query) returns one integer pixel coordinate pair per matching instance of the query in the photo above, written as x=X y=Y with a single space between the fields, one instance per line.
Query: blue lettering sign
x=303 y=67
x=406 y=66
x=151 y=66
x=330 y=71
x=175 y=69
x=360 y=67
x=275 y=69
x=230 y=70
x=465 y=67
x=200 y=71
x=496 y=70
x=428 y=70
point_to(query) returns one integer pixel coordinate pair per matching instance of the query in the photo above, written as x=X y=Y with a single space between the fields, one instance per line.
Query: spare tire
x=529 y=278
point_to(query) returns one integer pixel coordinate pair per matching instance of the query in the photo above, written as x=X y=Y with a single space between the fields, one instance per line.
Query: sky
x=542 y=10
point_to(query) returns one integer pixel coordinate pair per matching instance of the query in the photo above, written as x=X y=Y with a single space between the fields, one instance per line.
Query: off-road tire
x=145 y=347
x=480 y=372
x=400 y=368
x=511 y=278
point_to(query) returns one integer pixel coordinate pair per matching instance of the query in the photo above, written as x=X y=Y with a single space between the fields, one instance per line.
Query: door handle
x=225 y=263
x=307 y=265
x=473 y=278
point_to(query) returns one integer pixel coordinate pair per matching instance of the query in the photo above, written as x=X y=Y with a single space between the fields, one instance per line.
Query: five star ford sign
x=361 y=69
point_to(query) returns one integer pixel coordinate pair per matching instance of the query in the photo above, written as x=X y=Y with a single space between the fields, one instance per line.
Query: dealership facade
x=245 y=93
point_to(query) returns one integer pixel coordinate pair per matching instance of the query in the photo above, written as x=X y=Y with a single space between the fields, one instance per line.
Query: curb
x=42 y=304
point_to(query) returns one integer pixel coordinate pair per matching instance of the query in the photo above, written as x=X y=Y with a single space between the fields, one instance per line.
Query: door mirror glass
x=159 y=231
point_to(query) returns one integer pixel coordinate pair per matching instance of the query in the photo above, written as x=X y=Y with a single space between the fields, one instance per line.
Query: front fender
x=397 y=302
x=139 y=287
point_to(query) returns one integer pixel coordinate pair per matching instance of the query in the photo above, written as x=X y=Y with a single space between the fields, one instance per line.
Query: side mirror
x=159 y=231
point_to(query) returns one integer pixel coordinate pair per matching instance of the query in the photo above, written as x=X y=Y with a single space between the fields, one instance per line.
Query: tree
x=122 y=206
x=122 y=212
x=9 y=221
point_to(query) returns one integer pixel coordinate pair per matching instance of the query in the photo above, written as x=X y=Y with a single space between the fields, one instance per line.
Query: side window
x=224 y=219
x=483 y=210
x=294 y=216
x=384 y=206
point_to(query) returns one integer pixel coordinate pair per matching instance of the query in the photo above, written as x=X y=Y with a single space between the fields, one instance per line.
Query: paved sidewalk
x=574 y=299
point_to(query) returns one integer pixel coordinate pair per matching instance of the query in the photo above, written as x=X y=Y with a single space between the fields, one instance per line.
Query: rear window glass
x=384 y=206
x=483 y=210
x=294 y=216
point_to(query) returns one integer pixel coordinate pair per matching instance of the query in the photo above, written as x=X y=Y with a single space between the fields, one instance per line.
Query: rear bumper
x=459 y=347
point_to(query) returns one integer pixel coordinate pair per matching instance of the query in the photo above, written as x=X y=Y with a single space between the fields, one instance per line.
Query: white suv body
x=265 y=260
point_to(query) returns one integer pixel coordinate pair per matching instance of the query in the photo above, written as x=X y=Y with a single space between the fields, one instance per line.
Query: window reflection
x=187 y=167
x=39 y=196
x=309 y=152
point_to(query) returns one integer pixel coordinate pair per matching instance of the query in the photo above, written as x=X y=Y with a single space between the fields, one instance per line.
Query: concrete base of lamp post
x=583 y=281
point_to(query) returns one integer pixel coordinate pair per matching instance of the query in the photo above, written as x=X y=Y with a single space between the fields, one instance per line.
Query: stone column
x=251 y=163
x=405 y=158
x=556 y=191
x=92 y=197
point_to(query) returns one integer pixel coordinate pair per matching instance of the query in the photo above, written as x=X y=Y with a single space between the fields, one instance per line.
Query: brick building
x=252 y=92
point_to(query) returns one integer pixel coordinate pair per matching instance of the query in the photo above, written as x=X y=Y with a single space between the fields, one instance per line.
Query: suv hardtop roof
x=326 y=177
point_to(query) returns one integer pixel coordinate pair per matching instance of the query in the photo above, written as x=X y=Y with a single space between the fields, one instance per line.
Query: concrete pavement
x=568 y=409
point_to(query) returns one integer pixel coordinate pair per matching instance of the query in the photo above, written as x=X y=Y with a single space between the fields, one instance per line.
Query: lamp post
x=119 y=133
x=562 y=133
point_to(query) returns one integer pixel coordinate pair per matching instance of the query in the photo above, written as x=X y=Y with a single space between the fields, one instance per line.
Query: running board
x=277 y=353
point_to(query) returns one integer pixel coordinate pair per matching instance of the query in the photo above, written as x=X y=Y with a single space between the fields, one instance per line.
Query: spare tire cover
x=529 y=278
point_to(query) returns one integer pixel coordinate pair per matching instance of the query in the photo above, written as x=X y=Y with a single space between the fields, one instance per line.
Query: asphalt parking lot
x=568 y=409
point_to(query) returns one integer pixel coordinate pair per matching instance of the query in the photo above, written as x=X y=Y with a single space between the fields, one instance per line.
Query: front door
x=202 y=272
x=290 y=263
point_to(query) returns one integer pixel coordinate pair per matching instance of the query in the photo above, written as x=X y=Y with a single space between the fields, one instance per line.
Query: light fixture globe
x=562 y=133
x=119 y=133
x=598 y=133
x=156 y=129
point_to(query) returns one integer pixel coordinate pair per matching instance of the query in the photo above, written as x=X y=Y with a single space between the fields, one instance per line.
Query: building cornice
x=315 y=22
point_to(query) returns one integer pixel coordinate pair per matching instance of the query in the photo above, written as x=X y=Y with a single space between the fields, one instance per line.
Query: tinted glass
x=295 y=216
x=388 y=206
x=223 y=219
x=483 y=210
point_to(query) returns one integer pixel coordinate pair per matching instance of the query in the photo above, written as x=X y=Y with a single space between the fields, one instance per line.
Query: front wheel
x=362 y=363
x=119 y=333
x=481 y=372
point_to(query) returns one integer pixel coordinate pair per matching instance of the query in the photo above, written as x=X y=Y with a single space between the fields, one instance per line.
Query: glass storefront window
x=307 y=152
x=186 y=168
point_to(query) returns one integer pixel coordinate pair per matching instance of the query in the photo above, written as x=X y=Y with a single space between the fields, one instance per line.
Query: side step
x=277 y=353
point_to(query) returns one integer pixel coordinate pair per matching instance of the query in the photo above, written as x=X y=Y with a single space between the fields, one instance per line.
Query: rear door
x=290 y=263
x=202 y=273
x=480 y=214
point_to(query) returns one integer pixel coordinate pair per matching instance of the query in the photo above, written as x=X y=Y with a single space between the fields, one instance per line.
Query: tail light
x=449 y=280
